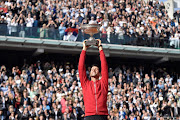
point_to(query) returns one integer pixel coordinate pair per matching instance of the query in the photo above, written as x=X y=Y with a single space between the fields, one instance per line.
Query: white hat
x=63 y=94
x=2 y=16
x=69 y=74
x=40 y=70
x=49 y=71
x=115 y=90
x=160 y=98
x=81 y=10
x=102 y=11
x=170 y=95
x=60 y=70
x=109 y=93
x=69 y=92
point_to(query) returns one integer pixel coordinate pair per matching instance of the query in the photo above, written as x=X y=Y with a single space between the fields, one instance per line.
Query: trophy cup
x=91 y=29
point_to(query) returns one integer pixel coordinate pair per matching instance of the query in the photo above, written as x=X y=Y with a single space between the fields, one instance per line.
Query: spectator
x=43 y=32
x=156 y=38
x=35 y=26
x=29 y=24
x=62 y=29
x=177 y=15
x=147 y=79
x=41 y=22
x=2 y=116
x=51 y=28
x=92 y=21
x=14 y=25
x=21 y=28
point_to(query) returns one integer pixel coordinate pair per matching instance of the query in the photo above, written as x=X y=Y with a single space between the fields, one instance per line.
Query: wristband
x=100 y=46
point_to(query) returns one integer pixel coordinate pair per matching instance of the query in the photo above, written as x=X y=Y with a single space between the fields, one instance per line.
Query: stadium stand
x=45 y=90
x=131 y=22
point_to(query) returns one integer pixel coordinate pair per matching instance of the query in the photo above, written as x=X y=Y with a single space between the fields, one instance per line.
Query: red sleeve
x=82 y=69
x=67 y=30
x=63 y=102
x=63 y=109
x=104 y=68
x=70 y=109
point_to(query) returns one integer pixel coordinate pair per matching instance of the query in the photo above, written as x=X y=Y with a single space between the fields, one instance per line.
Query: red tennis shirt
x=94 y=93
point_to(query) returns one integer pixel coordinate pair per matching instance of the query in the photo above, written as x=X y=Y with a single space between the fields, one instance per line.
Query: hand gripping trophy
x=91 y=29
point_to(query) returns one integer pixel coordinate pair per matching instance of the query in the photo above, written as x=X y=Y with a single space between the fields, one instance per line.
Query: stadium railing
x=113 y=38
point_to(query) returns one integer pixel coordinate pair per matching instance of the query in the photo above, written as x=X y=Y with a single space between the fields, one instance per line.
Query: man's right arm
x=81 y=67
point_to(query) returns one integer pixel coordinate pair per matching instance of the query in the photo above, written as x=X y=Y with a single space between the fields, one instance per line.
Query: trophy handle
x=91 y=34
x=93 y=42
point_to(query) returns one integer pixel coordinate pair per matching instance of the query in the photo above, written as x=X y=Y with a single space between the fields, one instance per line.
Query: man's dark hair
x=95 y=65
x=21 y=107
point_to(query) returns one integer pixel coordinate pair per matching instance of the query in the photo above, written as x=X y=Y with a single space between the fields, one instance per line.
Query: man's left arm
x=104 y=66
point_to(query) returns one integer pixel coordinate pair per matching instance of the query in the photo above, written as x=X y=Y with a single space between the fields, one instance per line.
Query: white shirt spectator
x=65 y=10
x=29 y=22
x=109 y=30
x=48 y=13
x=8 y=3
x=150 y=18
x=110 y=3
x=13 y=26
x=76 y=88
x=79 y=84
x=121 y=23
x=8 y=20
x=92 y=22
x=169 y=80
x=67 y=74
x=18 y=82
x=142 y=29
x=76 y=15
x=173 y=90
x=147 y=118
x=112 y=10
x=178 y=81
x=118 y=30
x=17 y=1
x=176 y=24
x=105 y=23
x=128 y=9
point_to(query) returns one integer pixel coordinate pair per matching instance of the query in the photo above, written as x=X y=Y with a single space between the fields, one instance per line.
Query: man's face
x=94 y=71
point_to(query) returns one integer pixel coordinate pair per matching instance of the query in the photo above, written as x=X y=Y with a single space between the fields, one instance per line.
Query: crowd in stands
x=47 y=91
x=144 y=23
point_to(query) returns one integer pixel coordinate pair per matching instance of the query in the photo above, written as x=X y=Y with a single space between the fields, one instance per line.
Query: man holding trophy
x=94 y=90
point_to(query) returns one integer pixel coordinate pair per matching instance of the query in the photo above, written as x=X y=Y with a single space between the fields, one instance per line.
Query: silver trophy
x=91 y=29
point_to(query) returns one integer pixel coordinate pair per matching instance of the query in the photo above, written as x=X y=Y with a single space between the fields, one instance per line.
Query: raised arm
x=81 y=67
x=104 y=66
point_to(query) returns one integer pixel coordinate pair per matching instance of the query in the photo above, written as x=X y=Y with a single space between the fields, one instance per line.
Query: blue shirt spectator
x=62 y=29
